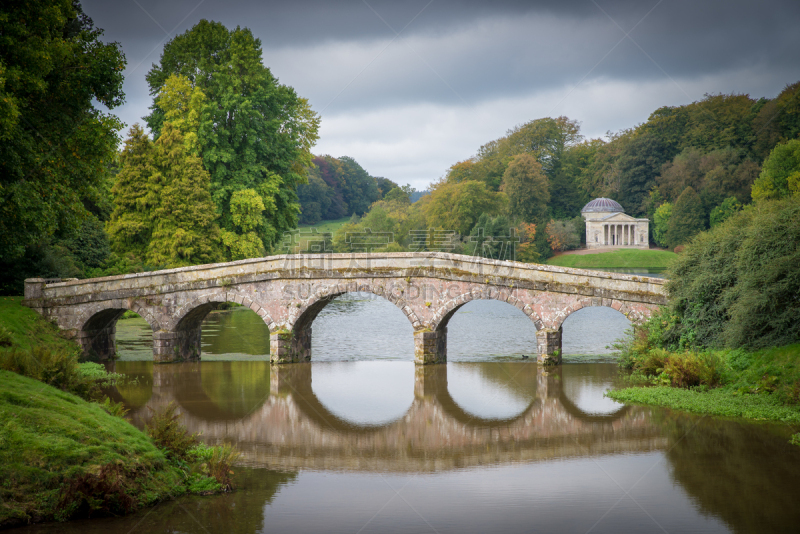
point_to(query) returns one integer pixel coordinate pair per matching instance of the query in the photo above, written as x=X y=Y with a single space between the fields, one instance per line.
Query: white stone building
x=608 y=226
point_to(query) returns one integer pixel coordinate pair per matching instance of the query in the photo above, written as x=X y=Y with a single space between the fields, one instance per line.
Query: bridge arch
x=294 y=343
x=97 y=326
x=185 y=329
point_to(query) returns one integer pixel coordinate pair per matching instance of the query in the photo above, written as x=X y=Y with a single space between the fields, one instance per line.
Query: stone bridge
x=292 y=429
x=289 y=291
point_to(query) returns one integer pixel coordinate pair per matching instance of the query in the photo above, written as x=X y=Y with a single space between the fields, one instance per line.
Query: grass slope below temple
x=619 y=259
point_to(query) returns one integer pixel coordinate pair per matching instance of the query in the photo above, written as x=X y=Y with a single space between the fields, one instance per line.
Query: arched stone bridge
x=289 y=291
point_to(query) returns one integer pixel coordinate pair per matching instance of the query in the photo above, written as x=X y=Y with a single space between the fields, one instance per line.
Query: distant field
x=322 y=227
x=619 y=259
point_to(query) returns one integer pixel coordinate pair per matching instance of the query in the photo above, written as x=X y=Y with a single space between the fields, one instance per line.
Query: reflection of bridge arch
x=293 y=428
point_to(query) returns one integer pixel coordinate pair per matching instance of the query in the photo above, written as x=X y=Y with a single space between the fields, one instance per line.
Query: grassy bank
x=619 y=259
x=62 y=456
x=65 y=449
x=26 y=329
x=759 y=385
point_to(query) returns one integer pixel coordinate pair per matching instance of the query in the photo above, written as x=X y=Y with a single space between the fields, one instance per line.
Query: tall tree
x=184 y=232
x=131 y=224
x=54 y=144
x=686 y=220
x=254 y=133
x=528 y=191
x=458 y=206
x=781 y=169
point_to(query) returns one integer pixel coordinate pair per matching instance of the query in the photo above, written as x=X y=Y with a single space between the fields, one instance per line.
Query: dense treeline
x=227 y=167
x=687 y=168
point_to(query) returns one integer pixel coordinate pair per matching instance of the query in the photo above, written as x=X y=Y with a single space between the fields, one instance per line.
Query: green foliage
x=169 y=434
x=491 y=238
x=781 y=169
x=527 y=188
x=252 y=132
x=163 y=211
x=63 y=457
x=660 y=224
x=457 y=206
x=639 y=164
x=184 y=232
x=686 y=220
x=54 y=144
x=723 y=212
x=736 y=285
x=57 y=368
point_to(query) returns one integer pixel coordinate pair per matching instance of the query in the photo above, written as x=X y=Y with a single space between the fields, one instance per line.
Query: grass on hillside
x=321 y=227
x=619 y=259
x=61 y=456
x=26 y=329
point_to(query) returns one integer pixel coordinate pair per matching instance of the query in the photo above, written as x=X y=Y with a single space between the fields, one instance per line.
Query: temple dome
x=603 y=205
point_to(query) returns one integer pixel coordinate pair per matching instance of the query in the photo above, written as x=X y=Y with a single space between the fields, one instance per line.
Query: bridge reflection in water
x=277 y=419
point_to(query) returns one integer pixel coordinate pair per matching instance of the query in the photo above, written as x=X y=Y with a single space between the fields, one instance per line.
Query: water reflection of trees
x=746 y=474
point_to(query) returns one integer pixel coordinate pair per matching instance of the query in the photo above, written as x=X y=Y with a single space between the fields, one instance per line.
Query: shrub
x=216 y=462
x=167 y=433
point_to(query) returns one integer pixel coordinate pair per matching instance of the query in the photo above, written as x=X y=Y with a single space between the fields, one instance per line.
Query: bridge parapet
x=288 y=292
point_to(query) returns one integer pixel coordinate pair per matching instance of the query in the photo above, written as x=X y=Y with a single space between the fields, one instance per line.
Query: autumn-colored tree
x=526 y=186
x=562 y=235
x=526 y=249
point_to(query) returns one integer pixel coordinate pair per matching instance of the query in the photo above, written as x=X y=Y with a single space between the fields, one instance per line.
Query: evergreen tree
x=131 y=224
x=687 y=218
x=184 y=232
x=253 y=133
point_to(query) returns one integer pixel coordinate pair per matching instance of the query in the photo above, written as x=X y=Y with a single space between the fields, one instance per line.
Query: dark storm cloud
x=463 y=72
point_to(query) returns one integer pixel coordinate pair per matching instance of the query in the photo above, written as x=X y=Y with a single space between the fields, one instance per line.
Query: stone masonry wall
x=287 y=292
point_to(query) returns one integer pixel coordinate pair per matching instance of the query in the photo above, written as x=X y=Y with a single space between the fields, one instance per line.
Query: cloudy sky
x=408 y=88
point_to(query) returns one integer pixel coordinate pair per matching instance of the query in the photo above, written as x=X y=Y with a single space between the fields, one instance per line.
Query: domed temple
x=607 y=225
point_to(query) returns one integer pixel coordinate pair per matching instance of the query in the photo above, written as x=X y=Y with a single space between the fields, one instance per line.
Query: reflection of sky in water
x=358 y=327
x=591 y=330
x=585 y=384
x=479 y=396
x=367 y=393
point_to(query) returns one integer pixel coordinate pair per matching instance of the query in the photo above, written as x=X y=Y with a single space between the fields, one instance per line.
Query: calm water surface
x=362 y=440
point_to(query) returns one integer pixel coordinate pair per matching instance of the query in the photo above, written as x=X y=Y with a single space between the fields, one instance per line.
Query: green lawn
x=321 y=227
x=619 y=259
x=28 y=329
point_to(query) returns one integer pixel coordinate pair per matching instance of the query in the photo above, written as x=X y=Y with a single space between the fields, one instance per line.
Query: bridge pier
x=290 y=346
x=430 y=346
x=548 y=341
x=100 y=343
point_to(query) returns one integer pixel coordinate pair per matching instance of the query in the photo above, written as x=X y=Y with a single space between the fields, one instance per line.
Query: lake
x=362 y=440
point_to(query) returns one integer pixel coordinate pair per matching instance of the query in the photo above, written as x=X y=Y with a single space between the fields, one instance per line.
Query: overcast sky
x=409 y=88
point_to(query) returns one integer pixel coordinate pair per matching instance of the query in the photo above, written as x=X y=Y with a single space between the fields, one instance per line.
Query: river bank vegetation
x=727 y=343
x=66 y=450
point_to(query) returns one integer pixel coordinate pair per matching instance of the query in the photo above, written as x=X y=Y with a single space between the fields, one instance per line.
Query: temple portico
x=607 y=225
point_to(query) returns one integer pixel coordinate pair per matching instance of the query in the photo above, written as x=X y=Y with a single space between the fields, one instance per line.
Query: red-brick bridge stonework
x=289 y=291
